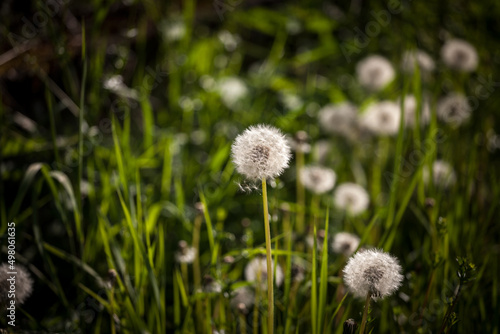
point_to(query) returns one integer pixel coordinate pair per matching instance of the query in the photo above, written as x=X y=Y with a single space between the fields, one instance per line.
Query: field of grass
x=117 y=121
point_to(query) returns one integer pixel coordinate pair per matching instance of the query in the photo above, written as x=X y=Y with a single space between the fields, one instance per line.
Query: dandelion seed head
x=339 y=119
x=232 y=90
x=419 y=58
x=23 y=282
x=210 y=285
x=373 y=271
x=382 y=118
x=345 y=243
x=443 y=175
x=410 y=109
x=256 y=271
x=185 y=254
x=352 y=198
x=318 y=180
x=320 y=237
x=260 y=152
x=453 y=109
x=375 y=72
x=459 y=55
x=242 y=299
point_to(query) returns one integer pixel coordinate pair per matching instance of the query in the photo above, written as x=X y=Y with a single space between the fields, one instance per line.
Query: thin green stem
x=270 y=292
x=300 y=193
x=365 y=313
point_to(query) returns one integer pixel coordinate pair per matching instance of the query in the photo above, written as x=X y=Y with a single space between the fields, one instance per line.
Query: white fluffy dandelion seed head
x=300 y=142
x=339 y=119
x=256 y=271
x=345 y=243
x=373 y=271
x=453 y=109
x=352 y=198
x=185 y=254
x=232 y=90
x=459 y=55
x=443 y=175
x=317 y=179
x=412 y=58
x=261 y=151
x=374 y=72
x=382 y=118
x=242 y=299
x=410 y=109
x=24 y=284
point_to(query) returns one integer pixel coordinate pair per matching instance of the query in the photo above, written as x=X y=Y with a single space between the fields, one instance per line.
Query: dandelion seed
x=232 y=91
x=453 y=109
x=352 y=198
x=242 y=299
x=23 y=282
x=210 y=285
x=318 y=180
x=382 y=118
x=260 y=152
x=410 y=108
x=459 y=55
x=339 y=119
x=375 y=72
x=345 y=243
x=185 y=254
x=419 y=58
x=374 y=272
x=256 y=271
x=443 y=175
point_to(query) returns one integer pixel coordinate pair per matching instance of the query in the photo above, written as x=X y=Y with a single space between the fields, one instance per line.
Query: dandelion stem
x=270 y=293
x=196 y=264
x=300 y=193
x=243 y=323
x=365 y=313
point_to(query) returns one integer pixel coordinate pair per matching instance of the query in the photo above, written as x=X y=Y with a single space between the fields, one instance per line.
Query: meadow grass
x=115 y=178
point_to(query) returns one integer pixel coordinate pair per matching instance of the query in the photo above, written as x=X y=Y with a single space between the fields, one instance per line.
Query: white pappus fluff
x=352 y=198
x=256 y=271
x=345 y=243
x=382 y=118
x=318 y=179
x=373 y=271
x=374 y=72
x=261 y=151
x=459 y=55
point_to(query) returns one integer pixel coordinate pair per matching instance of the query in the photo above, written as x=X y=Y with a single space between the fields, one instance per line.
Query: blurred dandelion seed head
x=352 y=198
x=242 y=299
x=443 y=175
x=185 y=254
x=256 y=271
x=373 y=271
x=459 y=55
x=339 y=119
x=382 y=118
x=422 y=59
x=23 y=283
x=410 y=110
x=374 y=72
x=261 y=151
x=345 y=243
x=232 y=90
x=453 y=109
x=318 y=180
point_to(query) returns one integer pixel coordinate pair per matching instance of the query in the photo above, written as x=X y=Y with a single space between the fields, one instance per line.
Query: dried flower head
x=256 y=271
x=443 y=175
x=242 y=299
x=345 y=243
x=453 y=109
x=339 y=119
x=459 y=55
x=317 y=179
x=410 y=109
x=374 y=72
x=382 y=118
x=412 y=58
x=373 y=271
x=232 y=90
x=23 y=284
x=261 y=151
x=352 y=198
x=185 y=254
